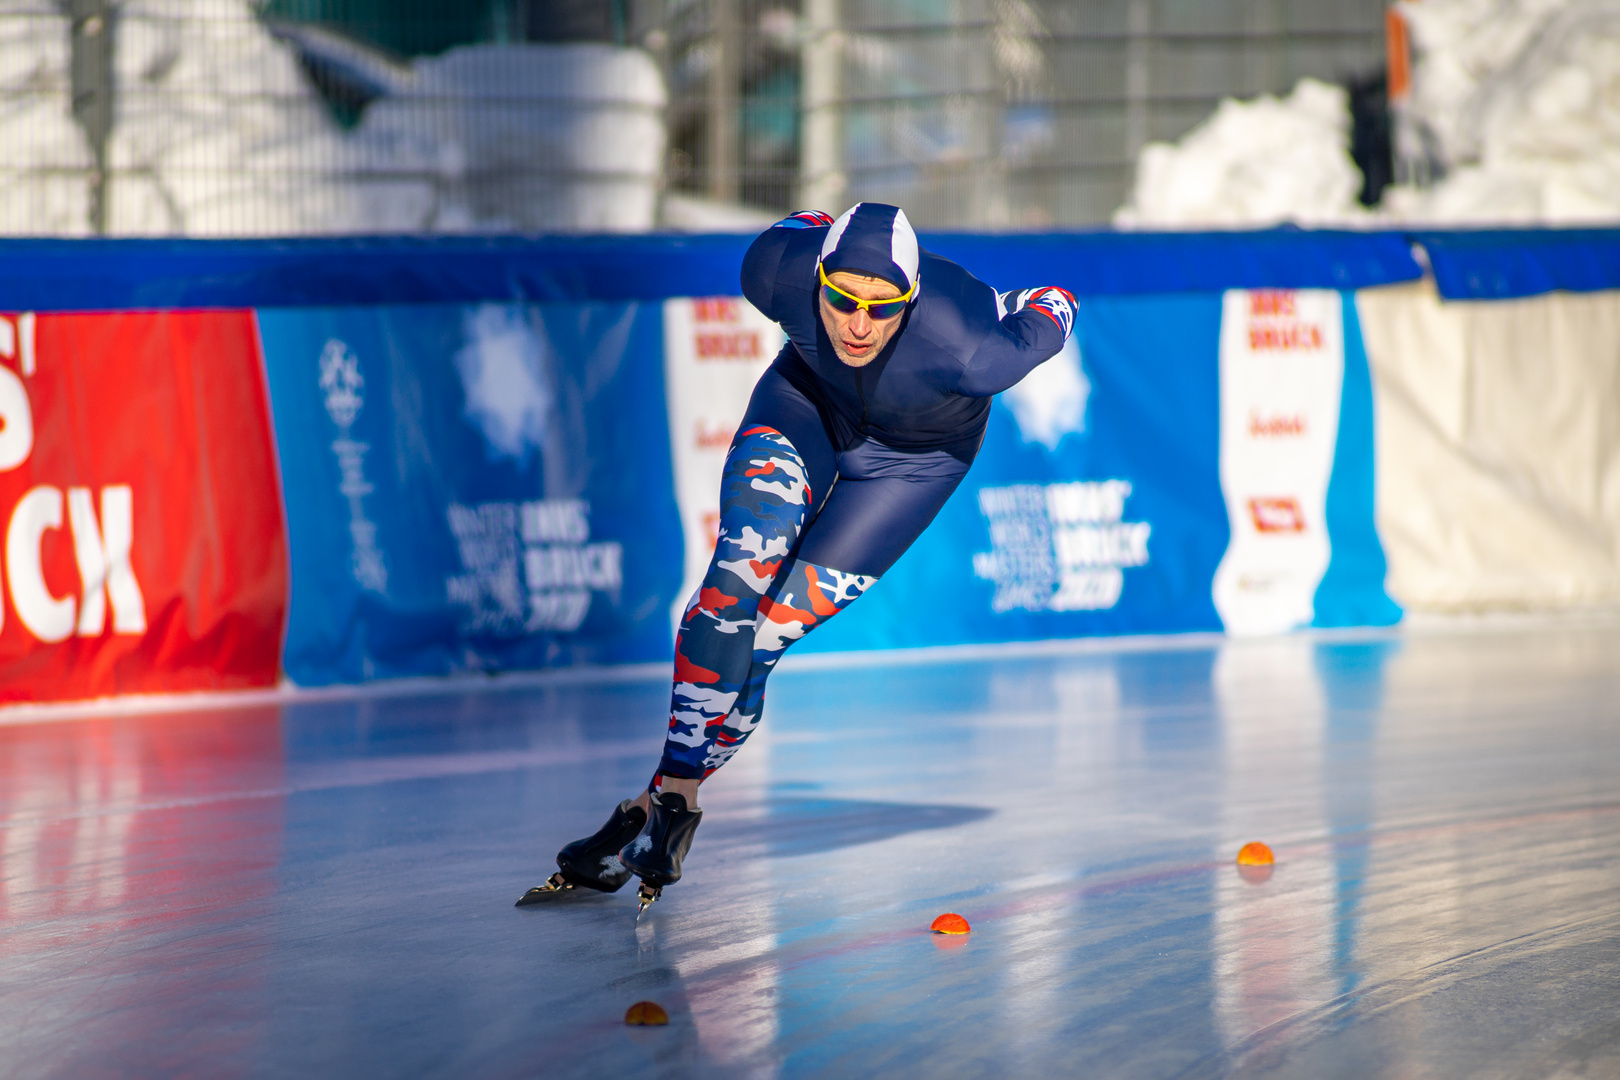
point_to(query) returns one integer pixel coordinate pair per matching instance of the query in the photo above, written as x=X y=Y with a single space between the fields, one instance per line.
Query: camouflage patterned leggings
x=785 y=528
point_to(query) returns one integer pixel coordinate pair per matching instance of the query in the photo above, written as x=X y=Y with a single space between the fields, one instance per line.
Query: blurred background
x=292 y=117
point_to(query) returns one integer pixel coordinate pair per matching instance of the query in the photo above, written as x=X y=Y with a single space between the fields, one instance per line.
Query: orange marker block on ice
x=1255 y=853
x=950 y=923
x=646 y=1014
x=1254 y=863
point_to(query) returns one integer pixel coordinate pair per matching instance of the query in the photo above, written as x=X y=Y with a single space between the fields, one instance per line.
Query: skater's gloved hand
x=804 y=219
x=1053 y=301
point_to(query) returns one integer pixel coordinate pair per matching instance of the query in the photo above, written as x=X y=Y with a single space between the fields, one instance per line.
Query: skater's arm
x=1037 y=323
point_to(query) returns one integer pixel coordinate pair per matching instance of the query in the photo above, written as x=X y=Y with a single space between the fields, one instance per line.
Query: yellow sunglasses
x=839 y=300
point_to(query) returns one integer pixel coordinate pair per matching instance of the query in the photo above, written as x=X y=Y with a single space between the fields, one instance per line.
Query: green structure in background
x=427 y=27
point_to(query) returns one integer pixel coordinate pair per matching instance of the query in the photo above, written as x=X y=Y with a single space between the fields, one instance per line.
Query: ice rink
x=326 y=887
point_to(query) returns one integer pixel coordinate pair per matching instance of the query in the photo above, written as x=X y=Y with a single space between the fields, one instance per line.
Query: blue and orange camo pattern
x=754 y=602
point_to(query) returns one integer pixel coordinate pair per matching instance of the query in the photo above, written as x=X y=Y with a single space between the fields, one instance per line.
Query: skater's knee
x=806 y=597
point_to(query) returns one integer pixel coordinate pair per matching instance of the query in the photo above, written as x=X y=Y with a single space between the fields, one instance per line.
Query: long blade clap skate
x=655 y=856
x=592 y=863
x=555 y=884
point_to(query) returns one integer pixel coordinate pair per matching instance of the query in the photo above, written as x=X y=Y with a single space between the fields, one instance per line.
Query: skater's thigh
x=779 y=405
x=867 y=524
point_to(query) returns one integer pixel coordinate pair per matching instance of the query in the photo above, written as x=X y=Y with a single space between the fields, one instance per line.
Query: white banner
x=715 y=349
x=1282 y=373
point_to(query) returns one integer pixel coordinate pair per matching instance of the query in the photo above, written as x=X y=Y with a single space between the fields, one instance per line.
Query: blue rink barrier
x=476 y=456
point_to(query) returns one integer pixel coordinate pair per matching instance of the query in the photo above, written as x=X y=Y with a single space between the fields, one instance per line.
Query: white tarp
x=1498 y=447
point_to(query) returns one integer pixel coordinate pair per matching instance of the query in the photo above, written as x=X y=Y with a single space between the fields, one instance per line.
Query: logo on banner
x=1277 y=515
x=530 y=566
x=100 y=523
x=343 y=387
x=1059 y=547
x=1282 y=366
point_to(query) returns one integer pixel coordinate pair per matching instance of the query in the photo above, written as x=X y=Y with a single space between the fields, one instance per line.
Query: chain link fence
x=298 y=117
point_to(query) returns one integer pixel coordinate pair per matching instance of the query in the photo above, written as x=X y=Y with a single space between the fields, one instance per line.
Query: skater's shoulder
x=780 y=259
x=955 y=310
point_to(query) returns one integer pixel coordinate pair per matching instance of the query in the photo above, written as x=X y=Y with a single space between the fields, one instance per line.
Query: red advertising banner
x=143 y=548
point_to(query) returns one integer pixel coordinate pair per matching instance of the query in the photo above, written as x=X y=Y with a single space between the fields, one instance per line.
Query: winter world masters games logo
x=1059 y=547
x=342 y=391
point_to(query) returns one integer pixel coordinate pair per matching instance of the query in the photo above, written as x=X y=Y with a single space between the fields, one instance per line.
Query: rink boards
x=442 y=472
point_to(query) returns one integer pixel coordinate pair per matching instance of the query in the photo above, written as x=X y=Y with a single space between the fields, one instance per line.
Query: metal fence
x=277 y=117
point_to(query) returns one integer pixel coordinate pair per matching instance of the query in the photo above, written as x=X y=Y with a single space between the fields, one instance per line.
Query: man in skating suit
x=854 y=438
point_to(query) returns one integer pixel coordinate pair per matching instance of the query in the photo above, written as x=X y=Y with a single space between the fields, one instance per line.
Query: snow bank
x=45 y=161
x=534 y=137
x=1521 y=101
x=1257 y=162
x=1517 y=100
x=217 y=132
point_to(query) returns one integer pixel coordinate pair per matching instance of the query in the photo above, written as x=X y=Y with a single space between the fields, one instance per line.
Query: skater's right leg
x=765 y=500
x=777 y=474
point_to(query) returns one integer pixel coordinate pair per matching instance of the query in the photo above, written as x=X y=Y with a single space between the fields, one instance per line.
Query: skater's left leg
x=776 y=478
x=866 y=524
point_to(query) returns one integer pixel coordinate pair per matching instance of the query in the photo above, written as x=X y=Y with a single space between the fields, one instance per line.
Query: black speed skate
x=593 y=863
x=655 y=856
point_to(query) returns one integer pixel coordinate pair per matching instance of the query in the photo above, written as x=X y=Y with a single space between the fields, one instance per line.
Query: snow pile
x=218 y=132
x=1257 y=162
x=1520 y=102
x=45 y=165
x=534 y=137
x=1516 y=103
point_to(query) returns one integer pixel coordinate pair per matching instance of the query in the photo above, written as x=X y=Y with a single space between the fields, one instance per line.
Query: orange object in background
x=1255 y=853
x=950 y=923
x=1398 y=56
x=646 y=1014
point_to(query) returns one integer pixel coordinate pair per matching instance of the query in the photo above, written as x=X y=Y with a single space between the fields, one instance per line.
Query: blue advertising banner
x=473 y=487
x=1105 y=496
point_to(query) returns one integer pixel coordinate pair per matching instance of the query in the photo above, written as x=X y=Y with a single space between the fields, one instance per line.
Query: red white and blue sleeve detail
x=805 y=219
x=1053 y=301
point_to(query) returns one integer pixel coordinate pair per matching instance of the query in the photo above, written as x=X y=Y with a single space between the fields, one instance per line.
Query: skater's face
x=856 y=336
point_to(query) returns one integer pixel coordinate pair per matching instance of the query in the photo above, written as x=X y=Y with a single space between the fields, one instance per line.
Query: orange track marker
x=1255 y=853
x=950 y=923
x=646 y=1014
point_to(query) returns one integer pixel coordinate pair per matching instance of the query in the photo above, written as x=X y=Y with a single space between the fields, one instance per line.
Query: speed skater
x=853 y=440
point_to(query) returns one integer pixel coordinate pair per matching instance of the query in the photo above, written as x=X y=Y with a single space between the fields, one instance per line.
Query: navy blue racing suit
x=836 y=470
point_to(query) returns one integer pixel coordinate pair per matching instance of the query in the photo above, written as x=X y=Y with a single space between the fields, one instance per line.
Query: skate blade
x=556 y=886
x=646 y=895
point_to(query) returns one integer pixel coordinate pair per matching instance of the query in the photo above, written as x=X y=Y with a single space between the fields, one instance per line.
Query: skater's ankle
x=686 y=789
